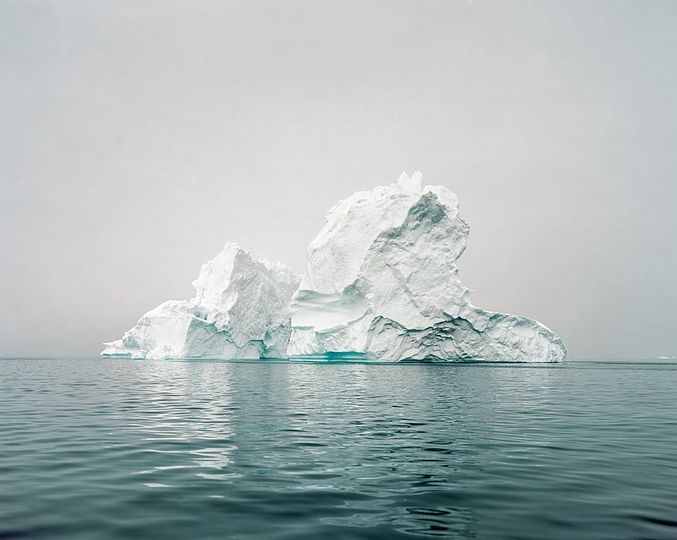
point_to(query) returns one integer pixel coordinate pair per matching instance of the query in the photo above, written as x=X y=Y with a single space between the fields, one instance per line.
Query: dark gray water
x=140 y=449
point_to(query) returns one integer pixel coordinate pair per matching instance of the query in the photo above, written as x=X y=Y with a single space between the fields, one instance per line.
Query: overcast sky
x=137 y=137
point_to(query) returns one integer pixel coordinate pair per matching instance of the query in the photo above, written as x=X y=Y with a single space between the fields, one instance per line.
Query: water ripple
x=93 y=448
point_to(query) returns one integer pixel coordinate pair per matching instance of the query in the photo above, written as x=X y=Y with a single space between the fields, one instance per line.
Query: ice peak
x=410 y=184
x=232 y=246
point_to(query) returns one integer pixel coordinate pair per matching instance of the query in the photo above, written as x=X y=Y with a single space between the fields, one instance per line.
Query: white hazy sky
x=136 y=137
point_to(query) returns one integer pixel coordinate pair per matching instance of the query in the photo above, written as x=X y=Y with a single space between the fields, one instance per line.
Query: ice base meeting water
x=95 y=448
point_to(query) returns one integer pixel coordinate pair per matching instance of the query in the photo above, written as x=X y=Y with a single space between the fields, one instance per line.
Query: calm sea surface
x=95 y=448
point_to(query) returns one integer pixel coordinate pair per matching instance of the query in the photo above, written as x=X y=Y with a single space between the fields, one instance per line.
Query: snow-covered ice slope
x=241 y=309
x=382 y=284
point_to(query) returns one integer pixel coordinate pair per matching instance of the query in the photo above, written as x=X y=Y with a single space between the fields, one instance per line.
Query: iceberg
x=382 y=284
x=241 y=309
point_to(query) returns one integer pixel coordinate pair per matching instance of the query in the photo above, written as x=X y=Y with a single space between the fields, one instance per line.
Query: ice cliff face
x=241 y=309
x=382 y=283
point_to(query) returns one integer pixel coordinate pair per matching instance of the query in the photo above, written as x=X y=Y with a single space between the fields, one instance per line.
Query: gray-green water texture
x=100 y=448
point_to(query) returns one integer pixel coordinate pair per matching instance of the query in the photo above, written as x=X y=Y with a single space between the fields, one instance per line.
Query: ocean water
x=96 y=448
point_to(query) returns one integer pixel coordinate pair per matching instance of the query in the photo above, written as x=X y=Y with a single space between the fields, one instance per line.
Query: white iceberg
x=241 y=309
x=382 y=284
